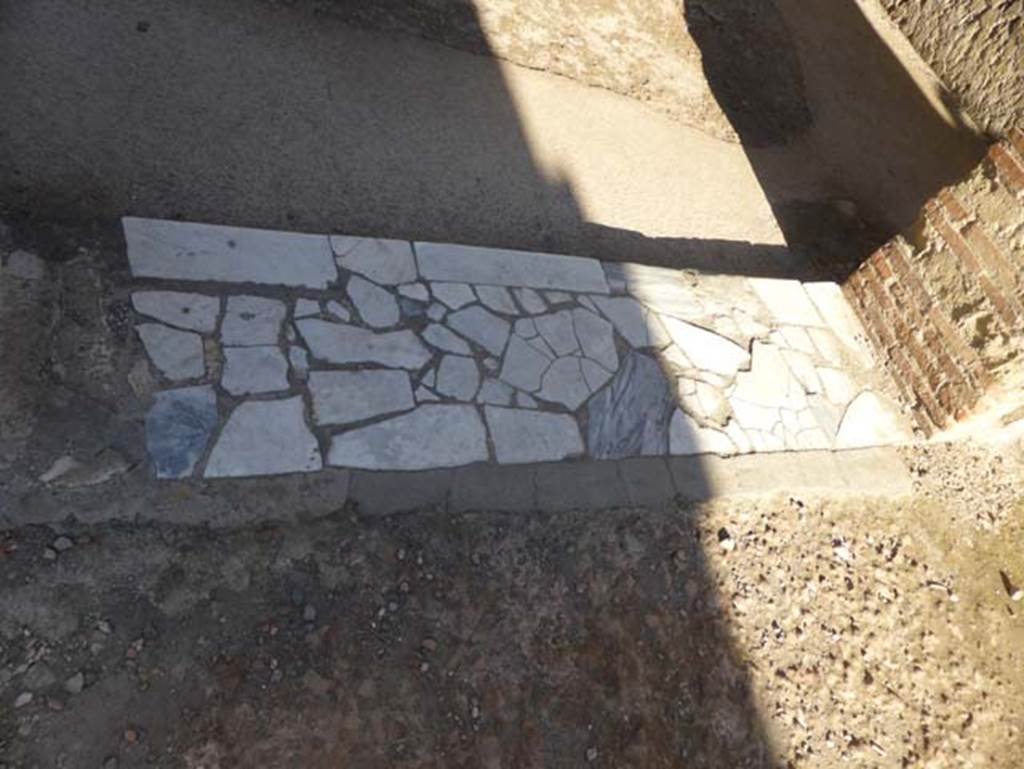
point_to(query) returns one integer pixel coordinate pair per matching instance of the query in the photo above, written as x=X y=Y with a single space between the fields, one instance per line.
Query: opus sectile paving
x=281 y=353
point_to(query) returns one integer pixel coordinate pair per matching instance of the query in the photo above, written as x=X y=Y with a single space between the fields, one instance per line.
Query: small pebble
x=110 y=762
x=49 y=553
x=23 y=699
x=309 y=613
x=75 y=683
x=591 y=754
x=725 y=540
x=62 y=543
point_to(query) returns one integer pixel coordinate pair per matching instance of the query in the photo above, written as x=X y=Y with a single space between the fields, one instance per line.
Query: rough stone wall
x=976 y=47
x=943 y=302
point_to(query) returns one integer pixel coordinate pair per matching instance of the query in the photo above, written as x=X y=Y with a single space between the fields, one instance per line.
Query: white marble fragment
x=558 y=331
x=787 y=301
x=596 y=338
x=177 y=354
x=454 y=295
x=443 y=338
x=387 y=262
x=251 y=321
x=298 y=359
x=797 y=338
x=686 y=437
x=188 y=251
x=839 y=387
x=770 y=381
x=627 y=315
x=706 y=350
x=500 y=267
x=192 y=312
x=483 y=327
x=432 y=435
x=249 y=370
x=340 y=343
x=557 y=297
x=802 y=366
x=530 y=301
x=532 y=436
x=265 y=438
x=458 y=377
x=376 y=306
x=525 y=400
x=563 y=383
x=871 y=421
x=343 y=397
x=436 y=312
x=526 y=328
x=752 y=416
x=841 y=319
x=498 y=299
x=594 y=374
x=338 y=311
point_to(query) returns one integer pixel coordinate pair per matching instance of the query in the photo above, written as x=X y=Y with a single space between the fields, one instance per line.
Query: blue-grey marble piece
x=631 y=416
x=178 y=427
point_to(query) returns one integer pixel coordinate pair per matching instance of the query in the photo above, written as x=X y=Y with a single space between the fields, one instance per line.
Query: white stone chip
x=387 y=262
x=251 y=321
x=497 y=299
x=377 y=307
x=188 y=251
x=500 y=267
x=483 y=327
x=787 y=301
x=494 y=393
x=298 y=358
x=532 y=436
x=797 y=338
x=343 y=397
x=265 y=438
x=249 y=370
x=416 y=291
x=523 y=365
x=706 y=350
x=433 y=435
x=177 y=354
x=454 y=295
x=458 y=377
x=871 y=421
x=530 y=301
x=341 y=343
x=338 y=311
x=305 y=308
x=443 y=338
x=25 y=265
x=192 y=312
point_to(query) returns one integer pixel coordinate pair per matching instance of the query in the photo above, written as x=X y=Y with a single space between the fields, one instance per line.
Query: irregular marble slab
x=686 y=437
x=458 y=377
x=628 y=316
x=594 y=374
x=483 y=327
x=871 y=421
x=557 y=297
x=188 y=251
x=178 y=428
x=630 y=417
x=376 y=306
x=304 y=308
x=455 y=295
x=265 y=438
x=596 y=338
x=387 y=262
x=430 y=436
x=426 y=395
x=250 y=370
x=532 y=436
x=787 y=301
x=558 y=331
x=497 y=299
x=177 y=354
x=416 y=291
x=530 y=300
x=495 y=393
x=770 y=381
x=524 y=365
x=564 y=383
x=192 y=312
x=841 y=319
x=754 y=416
x=252 y=320
x=706 y=350
x=525 y=400
x=298 y=359
x=436 y=311
x=342 y=397
x=341 y=343
x=839 y=387
x=444 y=339
x=500 y=267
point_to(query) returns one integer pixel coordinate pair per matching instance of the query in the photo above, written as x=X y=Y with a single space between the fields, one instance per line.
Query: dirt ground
x=785 y=632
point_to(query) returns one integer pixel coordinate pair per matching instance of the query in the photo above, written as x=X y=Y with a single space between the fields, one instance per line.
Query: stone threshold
x=280 y=353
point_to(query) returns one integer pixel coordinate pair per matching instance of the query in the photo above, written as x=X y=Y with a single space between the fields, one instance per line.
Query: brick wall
x=943 y=302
